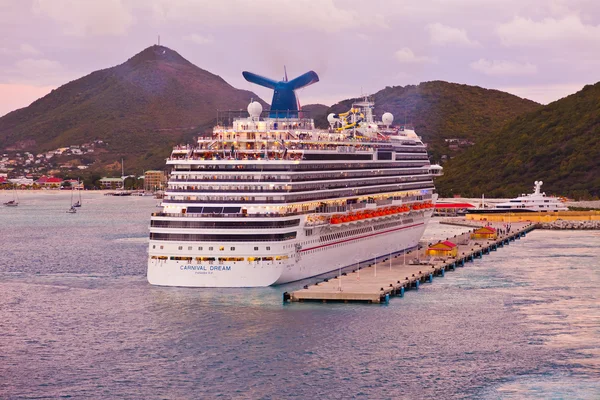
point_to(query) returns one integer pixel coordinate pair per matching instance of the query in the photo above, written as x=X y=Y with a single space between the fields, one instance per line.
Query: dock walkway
x=384 y=279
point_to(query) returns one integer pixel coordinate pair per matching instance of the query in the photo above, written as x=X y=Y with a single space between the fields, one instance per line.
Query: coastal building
x=111 y=183
x=443 y=249
x=75 y=184
x=486 y=232
x=154 y=180
x=50 y=181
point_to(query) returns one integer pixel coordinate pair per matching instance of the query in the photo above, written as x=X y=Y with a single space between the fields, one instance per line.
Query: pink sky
x=539 y=49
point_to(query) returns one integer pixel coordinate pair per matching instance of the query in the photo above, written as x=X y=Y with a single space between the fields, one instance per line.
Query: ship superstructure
x=272 y=200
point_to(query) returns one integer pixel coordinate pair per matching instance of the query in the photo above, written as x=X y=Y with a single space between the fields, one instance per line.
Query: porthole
x=180 y=247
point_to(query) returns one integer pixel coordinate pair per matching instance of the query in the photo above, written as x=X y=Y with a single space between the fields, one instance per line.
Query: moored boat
x=533 y=202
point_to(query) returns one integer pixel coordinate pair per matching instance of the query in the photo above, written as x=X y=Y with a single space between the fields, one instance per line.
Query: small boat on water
x=78 y=202
x=15 y=201
x=533 y=202
x=73 y=210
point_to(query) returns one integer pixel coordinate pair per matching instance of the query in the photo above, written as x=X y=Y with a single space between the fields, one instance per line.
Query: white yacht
x=269 y=200
x=533 y=202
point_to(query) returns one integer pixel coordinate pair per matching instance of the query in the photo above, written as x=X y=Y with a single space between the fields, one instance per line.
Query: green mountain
x=441 y=110
x=140 y=108
x=558 y=144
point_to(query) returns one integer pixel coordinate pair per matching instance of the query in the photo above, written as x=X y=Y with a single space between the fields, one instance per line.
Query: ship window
x=180 y=247
x=199 y=248
x=268 y=248
x=189 y=247
x=161 y=247
x=210 y=248
x=232 y=248
x=153 y=246
x=256 y=248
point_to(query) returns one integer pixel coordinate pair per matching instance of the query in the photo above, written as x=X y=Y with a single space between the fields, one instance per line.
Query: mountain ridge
x=440 y=110
x=153 y=100
x=559 y=144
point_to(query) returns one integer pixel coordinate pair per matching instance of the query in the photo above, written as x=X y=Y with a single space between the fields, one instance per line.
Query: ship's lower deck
x=256 y=264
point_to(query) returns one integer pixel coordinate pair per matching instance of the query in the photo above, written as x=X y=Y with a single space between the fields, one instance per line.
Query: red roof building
x=49 y=181
x=485 y=232
x=445 y=248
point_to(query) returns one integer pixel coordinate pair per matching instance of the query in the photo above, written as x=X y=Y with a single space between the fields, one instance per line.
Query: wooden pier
x=387 y=278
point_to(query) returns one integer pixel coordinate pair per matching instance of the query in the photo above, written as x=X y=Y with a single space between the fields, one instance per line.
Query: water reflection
x=77 y=318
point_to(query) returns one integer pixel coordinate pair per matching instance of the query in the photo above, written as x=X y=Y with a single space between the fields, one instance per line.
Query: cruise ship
x=270 y=199
x=532 y=202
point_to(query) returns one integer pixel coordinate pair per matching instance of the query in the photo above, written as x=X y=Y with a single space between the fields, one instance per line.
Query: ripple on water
x=77 y=318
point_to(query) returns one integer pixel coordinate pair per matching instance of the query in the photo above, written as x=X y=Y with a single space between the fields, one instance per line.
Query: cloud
x=545 y=93
x=527 y=32
x=24 y=49
x=442 y=35
x=17 y=95
x=40 y=64
x=28 y=49
x=407 y=56
x=35 y=72
x=503 y=68
x=322 y=15
x=87 y=18
x=199 y=39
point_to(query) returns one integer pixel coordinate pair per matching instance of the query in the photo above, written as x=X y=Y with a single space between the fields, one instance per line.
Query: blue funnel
x=284 y=103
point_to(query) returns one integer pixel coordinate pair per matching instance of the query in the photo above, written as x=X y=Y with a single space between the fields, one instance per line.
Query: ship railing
x=232 y=215
x=309 y=195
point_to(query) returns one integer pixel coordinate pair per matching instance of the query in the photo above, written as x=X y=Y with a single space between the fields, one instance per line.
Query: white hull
x=303 y=261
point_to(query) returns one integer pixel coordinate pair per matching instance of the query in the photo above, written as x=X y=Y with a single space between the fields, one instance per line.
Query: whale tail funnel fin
x=304 y=80
x=284 y=103
x=259 y=80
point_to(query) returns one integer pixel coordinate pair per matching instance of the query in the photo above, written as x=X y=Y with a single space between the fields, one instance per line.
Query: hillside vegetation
x=558 y=144
x=441 y=110
x=140 y=108
x=315 y=111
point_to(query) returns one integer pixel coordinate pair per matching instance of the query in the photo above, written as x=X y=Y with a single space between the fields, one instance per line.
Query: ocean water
x=78 y=320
